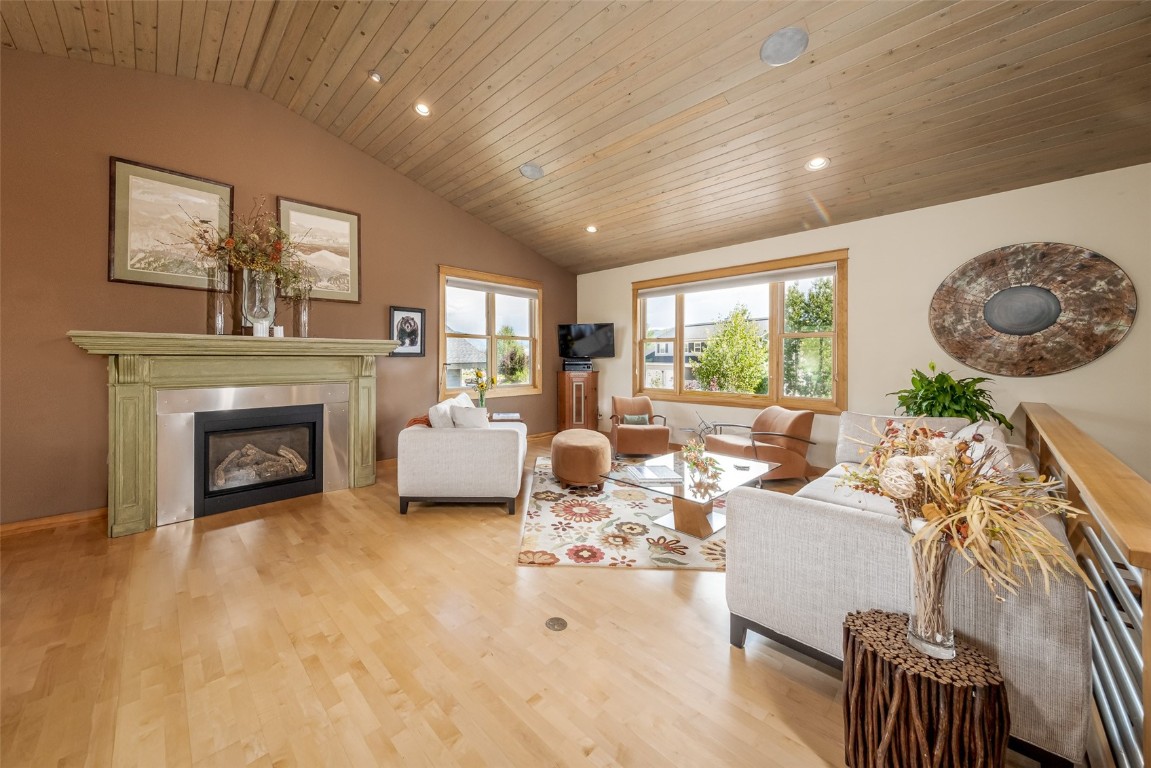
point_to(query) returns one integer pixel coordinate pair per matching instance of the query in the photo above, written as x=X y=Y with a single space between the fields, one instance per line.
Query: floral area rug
x=614 y=527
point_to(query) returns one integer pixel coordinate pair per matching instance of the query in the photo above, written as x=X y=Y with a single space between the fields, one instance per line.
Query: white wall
x=895 y=264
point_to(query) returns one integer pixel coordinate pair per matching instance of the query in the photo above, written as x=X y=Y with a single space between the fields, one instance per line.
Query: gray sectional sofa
x=796 y=565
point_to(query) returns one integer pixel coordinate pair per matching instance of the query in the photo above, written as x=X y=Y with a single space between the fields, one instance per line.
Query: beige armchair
x=644 y=439
x=778 y=435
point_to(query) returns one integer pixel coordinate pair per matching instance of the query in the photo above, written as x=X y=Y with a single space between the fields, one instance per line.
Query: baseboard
x=54 y=521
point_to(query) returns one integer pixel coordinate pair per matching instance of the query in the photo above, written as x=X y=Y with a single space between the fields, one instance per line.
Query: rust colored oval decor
x=1033 y=309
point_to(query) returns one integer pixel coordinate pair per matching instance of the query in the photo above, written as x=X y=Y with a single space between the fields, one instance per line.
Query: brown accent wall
x=59 y=123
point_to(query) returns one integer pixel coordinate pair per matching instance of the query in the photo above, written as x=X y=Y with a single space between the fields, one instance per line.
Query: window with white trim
x=490 y=323
x=754 y=335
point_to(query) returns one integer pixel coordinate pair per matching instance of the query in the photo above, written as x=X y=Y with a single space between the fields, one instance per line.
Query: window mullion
x=677 y=347
x=775 y=342
x=490 y=325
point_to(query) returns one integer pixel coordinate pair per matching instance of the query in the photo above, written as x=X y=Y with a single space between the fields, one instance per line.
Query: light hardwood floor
x=332 y=631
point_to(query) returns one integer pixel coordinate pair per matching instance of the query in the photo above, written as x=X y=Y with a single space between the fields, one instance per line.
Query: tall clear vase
x=259 y=306
x=217 y=274
x=929 y=629
x=301 y=311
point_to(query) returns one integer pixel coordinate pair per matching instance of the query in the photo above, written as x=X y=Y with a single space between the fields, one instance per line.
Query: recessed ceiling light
x=531 y=171
x=422 y=109
x=592 y=228
x=783 y=46
x=817 y=164
x=375 y=76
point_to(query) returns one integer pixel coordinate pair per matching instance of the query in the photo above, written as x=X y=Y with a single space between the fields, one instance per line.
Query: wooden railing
x=1113 y=546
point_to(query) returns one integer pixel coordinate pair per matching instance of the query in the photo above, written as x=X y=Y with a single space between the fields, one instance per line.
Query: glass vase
x=259 y=301
x=482 y=398
x=929 y=629
x=301 y=309
x=217 y=274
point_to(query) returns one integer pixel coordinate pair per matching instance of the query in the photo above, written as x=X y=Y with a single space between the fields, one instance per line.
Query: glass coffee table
x=691 y=501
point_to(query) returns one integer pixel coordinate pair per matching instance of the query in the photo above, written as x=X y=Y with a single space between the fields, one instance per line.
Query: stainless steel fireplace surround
x=175 y=417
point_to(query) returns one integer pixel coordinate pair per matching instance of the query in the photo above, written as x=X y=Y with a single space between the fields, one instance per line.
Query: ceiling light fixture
x=817 y=164
x=592 y=228
x=783 y=47
x=375 y=77
x=531 y=171
x=422 y=109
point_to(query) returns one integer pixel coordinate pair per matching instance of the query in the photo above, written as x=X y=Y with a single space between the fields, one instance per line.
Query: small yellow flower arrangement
x=481 y=383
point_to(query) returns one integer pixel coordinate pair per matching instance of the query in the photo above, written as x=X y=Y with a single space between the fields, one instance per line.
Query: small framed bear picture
x=408 y=329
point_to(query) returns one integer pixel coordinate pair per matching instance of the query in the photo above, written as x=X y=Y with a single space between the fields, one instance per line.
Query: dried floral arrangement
x=956 y=490
x=256 y=242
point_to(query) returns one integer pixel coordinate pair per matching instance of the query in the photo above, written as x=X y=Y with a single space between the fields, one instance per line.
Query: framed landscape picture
x=408 y=329
x=329 y=240
x=152 y=214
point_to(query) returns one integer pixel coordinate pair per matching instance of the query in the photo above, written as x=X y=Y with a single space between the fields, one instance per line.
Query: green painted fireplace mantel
x=141 y=363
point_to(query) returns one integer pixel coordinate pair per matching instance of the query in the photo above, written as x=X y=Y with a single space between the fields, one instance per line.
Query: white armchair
x=461 y=465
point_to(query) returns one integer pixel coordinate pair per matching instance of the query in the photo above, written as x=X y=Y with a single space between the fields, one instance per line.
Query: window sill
x=494 y=394
x=824 y=407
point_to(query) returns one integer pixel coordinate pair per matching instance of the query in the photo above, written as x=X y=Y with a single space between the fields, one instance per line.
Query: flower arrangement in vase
x=704 y=470
x=261 y=257
x=481 y=383
x=957 y=495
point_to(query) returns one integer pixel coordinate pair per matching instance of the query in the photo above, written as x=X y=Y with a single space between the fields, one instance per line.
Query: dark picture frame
x=152 y=212
x=329 y=240
x=413 y=333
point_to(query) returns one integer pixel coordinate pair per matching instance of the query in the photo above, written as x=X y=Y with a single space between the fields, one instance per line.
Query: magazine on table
x=654 y=474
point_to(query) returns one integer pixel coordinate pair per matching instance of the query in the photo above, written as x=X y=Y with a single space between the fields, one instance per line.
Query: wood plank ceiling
x=657 y=121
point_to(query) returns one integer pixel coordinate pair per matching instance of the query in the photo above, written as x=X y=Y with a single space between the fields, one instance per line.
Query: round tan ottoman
x=580 y=456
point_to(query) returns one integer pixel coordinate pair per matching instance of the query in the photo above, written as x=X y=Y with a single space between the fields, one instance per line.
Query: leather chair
x=777 y=435
x=648 y=439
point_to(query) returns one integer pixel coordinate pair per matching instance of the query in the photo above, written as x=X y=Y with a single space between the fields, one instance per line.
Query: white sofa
x=461 y=465
x=797 y=565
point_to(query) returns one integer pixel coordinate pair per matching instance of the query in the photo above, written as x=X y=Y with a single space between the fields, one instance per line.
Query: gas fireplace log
x=298 y=462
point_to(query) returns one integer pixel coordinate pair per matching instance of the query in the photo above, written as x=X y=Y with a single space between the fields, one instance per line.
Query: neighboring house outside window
x=753 y=335
x=490 y=322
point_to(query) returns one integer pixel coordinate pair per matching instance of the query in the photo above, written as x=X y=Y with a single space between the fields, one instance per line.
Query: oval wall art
x=1033 y=309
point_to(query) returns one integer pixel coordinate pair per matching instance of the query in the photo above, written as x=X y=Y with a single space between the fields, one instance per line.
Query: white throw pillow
x=994 y=439
x=988 y=429
x=469 y=417
x=440 y=414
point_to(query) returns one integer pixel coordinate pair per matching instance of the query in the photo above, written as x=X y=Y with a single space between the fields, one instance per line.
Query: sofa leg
x=511 y=506
x=403 y=506
x=738 y=631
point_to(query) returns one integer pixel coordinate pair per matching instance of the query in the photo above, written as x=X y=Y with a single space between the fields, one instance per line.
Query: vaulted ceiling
x=657 y=121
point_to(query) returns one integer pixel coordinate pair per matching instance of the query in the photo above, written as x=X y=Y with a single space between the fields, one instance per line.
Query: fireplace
x=157 y=382
x=254 y=456
x=289 y=440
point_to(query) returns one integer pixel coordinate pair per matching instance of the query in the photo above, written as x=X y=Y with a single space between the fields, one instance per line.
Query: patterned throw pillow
x=636 y=420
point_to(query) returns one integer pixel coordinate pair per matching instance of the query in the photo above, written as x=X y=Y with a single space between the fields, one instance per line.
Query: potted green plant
x=944 y=395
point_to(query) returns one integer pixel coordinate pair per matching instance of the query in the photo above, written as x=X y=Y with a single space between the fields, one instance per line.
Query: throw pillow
x=440 y=415
x=635 y=420
x=994 y=439
x=469 y=417
x=986 y=428
x=415 y=420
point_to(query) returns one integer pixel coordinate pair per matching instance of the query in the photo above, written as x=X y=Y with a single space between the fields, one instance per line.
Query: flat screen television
x=582 y=340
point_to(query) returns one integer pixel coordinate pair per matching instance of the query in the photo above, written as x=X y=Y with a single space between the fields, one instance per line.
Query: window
x=491 y=323
x=754 y=335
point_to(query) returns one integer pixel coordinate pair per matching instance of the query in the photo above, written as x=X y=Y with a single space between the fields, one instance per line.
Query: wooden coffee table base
x=693 y=518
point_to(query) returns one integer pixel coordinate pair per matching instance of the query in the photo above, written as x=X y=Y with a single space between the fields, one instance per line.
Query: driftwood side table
x=901 y=708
